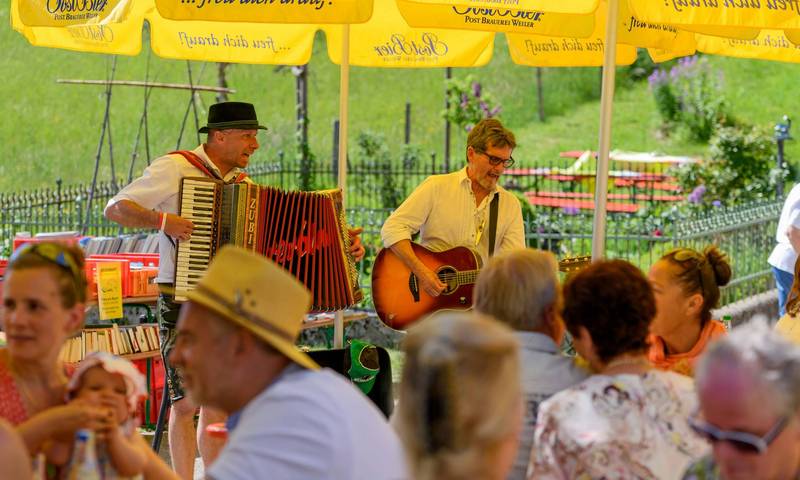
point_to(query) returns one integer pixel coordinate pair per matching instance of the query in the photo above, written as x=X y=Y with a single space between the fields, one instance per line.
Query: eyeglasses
x=51 y=252
x=743 y=441
x=495 y=161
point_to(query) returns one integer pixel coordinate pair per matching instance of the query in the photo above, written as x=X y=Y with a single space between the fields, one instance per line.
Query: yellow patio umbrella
x=579 y=7
x=739 y=14
x=568 y=51
x=386 y=40
x=768 y=45
x=49 y=13
x=202 y=41
x=267 y=11
x=733 y=19
x=453 y=15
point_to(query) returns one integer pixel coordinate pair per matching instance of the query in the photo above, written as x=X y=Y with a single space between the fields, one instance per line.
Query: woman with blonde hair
x=686 y=287
x=460 y=402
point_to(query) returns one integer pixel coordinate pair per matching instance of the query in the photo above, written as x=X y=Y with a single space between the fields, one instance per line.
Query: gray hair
x=517 y=287
x=459 y=395
x=771 y=360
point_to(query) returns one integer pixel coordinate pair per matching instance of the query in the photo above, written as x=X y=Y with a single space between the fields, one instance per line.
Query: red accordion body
x=304 y=232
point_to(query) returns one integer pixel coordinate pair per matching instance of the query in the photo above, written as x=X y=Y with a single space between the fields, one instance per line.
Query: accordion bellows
x=303 y=232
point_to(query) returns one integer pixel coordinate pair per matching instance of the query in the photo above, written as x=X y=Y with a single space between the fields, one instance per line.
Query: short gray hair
x=764 y=354
x=517 y=287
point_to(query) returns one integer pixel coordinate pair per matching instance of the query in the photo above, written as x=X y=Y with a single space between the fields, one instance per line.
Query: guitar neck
x=466 y=277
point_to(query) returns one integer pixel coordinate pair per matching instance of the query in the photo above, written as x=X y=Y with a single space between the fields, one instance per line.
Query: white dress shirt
x=158 y=189
x=783 y=255
x=442 y=209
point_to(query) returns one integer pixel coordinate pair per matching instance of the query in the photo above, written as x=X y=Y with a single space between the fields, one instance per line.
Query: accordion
x=303 y=232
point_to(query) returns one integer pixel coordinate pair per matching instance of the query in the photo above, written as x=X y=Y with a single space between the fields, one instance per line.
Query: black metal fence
x=746 y=233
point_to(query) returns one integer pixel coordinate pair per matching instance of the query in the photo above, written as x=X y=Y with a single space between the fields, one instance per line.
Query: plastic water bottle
x=84 y=465
x=726 y=320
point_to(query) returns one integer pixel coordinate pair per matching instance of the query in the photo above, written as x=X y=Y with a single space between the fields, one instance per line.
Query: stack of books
x=135 y=243
x=116 y=339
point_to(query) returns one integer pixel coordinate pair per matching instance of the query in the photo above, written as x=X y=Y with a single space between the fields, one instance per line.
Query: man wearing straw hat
x=288 y=418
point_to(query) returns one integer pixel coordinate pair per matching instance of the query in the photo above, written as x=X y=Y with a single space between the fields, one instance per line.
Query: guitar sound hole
x=447 y=275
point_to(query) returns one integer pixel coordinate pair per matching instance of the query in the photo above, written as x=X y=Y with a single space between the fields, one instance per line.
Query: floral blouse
x=618 y=427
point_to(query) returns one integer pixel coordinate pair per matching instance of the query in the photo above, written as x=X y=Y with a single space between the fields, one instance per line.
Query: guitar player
x=455 y=209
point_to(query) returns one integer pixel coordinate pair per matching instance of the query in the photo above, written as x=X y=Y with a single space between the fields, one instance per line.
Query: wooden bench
x=554 y=202
x=664 y=186
x=612 y=196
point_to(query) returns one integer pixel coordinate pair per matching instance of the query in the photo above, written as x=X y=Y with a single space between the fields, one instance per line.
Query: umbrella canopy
x=579 y=7
x=46 y=13
x=768 y=45
x=453 y=15
x=568 y=51
x=262 y=11
x=386 y=40
x=204 y=41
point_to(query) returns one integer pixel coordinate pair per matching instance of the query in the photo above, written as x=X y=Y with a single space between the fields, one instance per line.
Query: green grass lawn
x=51 y=131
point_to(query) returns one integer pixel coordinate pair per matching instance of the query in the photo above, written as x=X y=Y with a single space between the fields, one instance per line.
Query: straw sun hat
x=257 y=294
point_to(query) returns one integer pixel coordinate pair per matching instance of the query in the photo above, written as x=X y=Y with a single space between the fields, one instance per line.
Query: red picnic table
x=613 y=196
x=555 y=202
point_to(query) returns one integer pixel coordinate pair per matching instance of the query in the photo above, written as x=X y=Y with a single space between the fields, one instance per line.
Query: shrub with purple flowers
x=740 y=169
x=468 y=103
x=688 y=95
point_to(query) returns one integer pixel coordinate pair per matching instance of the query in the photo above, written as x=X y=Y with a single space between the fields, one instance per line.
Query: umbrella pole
x=344 y=93
x=606 y=104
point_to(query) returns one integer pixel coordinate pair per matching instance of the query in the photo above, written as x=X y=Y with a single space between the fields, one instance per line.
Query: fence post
x=781 y=135
x=540 y=93
x=408 y=123
x=448 y=74
x=280 y=163
x=433 y=163
x=335 y=156
x=58 y=201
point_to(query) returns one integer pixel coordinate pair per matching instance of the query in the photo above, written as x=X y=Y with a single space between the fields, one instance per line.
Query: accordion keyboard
x=199 y=199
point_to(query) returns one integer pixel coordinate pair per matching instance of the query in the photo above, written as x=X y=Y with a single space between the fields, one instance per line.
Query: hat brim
x=284 y=346
x=249 y=126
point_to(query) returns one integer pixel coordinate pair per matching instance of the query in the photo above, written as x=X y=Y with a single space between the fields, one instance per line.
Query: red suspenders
x=198 y=162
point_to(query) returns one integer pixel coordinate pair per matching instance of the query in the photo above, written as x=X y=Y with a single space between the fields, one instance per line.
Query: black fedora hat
x=227 y=115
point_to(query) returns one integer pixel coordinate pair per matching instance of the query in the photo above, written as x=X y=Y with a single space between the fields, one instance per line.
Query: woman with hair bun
x=686 y=287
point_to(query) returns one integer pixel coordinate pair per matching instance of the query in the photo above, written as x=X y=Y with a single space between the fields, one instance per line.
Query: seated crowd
x=485 y=394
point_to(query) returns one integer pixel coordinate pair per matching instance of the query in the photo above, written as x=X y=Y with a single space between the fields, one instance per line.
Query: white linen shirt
x=158 y=189
x=442 y=209
x=311 y=425
x=783 y=255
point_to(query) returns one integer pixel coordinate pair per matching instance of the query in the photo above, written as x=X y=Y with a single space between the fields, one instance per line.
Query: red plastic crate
x=19 y=241
x=155 y=389
x=91 y=280
x=145 y=259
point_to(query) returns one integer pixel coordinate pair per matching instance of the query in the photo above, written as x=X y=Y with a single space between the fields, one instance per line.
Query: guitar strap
x=493 y=221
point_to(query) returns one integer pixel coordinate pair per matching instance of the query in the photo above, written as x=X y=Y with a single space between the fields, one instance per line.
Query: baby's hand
x=108 y=428
x=65 y=420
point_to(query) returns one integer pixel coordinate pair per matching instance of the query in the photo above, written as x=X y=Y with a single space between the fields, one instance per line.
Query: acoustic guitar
x=398 y=298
